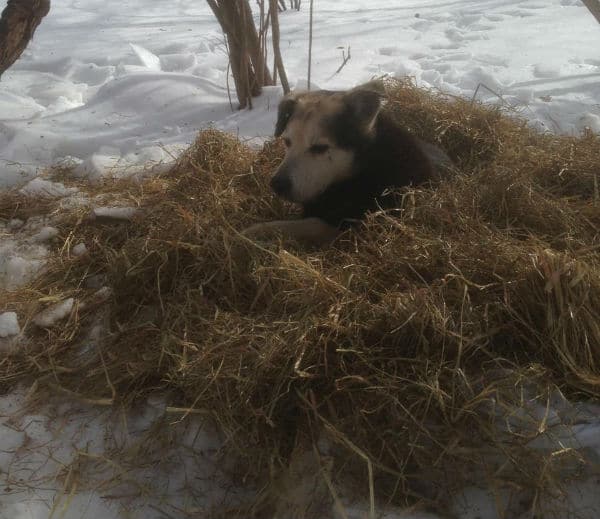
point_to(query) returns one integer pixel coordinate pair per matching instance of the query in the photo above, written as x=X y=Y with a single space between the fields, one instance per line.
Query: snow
x=9 y=325
x=45 y=234
x=19 y=260
x=102 y=294
x=38 y=187
x=147 y=59
x=114 y=213
x=57 y=312
x=167 y=477
x=116 y=89
x=161 y=73
x=79 y=250
x=18 y=270
x=23 y=250
x=108 y=163
x=590 y=121
x=15 y=223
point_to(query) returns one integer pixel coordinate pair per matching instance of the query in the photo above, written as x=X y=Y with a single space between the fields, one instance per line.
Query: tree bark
x=253 y=45
x=594 y=8
x=248 y=67
x=18 y=23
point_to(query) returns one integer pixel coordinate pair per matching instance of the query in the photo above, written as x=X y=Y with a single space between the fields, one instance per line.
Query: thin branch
x=262 y=41
x=247 y=46
x=345 y=59
x=310 y=39
x=499 y=96
x=227 y=74
x=276 y=49
x=246 y=63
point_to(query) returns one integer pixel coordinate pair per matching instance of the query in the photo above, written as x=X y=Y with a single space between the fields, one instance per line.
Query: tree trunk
x=253 y=46
x=594 y=8
x=19 y=21
x=248 y=67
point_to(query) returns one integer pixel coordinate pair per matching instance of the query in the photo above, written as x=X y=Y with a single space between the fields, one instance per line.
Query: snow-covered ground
x=123 y=82
x=42 y=457
x=119 y=86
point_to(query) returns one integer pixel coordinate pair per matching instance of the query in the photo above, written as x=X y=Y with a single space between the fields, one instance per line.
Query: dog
x=343 y=153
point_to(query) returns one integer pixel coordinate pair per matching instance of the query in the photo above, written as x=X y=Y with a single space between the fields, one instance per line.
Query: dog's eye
x=318 y=149
x=287 y=142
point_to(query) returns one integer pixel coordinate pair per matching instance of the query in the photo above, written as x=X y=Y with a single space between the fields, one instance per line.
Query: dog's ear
x=284 y=113
x=364 y=104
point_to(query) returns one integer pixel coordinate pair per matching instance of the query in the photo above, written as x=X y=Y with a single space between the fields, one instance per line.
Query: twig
x=310 y=37
x=245 y=63
x=345 y=59
x=481 y=85
x=262 y=43
x=276 y=50
x=227 y=73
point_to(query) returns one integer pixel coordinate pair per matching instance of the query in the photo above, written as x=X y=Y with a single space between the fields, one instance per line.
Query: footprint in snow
x=454 y=35
x=390 y=51
x=442 y=46
x=545 y=71
x=422 y=25
x=529 y=5
x=466 y=20
x=481 y=27
x=521 y=14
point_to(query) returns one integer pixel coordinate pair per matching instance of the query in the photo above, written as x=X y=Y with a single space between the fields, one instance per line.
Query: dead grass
x=402 y=344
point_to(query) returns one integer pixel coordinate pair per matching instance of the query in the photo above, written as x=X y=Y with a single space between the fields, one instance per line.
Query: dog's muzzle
x=282 y=185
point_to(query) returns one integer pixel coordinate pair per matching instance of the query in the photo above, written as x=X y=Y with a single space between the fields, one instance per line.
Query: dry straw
x=402 y=345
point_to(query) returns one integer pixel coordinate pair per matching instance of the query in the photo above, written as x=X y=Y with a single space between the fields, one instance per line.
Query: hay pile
x=402 y=344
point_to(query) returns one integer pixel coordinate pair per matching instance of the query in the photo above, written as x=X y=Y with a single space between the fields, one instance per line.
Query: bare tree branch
x=594 y=8
x=276 y=50
x=345 y=59
x=18 y=23
x=247 y=45
x=310 y=38
x=246 y=53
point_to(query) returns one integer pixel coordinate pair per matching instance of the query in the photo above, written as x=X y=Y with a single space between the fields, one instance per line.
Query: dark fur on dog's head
x=320 y=130
x=361 y=103
x=284 y=112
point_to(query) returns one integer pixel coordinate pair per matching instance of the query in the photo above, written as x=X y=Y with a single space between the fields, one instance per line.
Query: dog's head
x=322 y=131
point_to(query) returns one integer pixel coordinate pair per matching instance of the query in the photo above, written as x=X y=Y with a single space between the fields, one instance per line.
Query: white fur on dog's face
x=312 y=161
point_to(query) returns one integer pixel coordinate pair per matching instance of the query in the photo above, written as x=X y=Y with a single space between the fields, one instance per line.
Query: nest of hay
x=402 y=344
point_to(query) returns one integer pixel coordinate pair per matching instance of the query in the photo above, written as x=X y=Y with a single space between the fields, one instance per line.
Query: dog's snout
x=281 y=184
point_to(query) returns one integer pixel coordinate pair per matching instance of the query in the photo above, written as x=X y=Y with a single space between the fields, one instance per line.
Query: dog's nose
x=282 y=185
